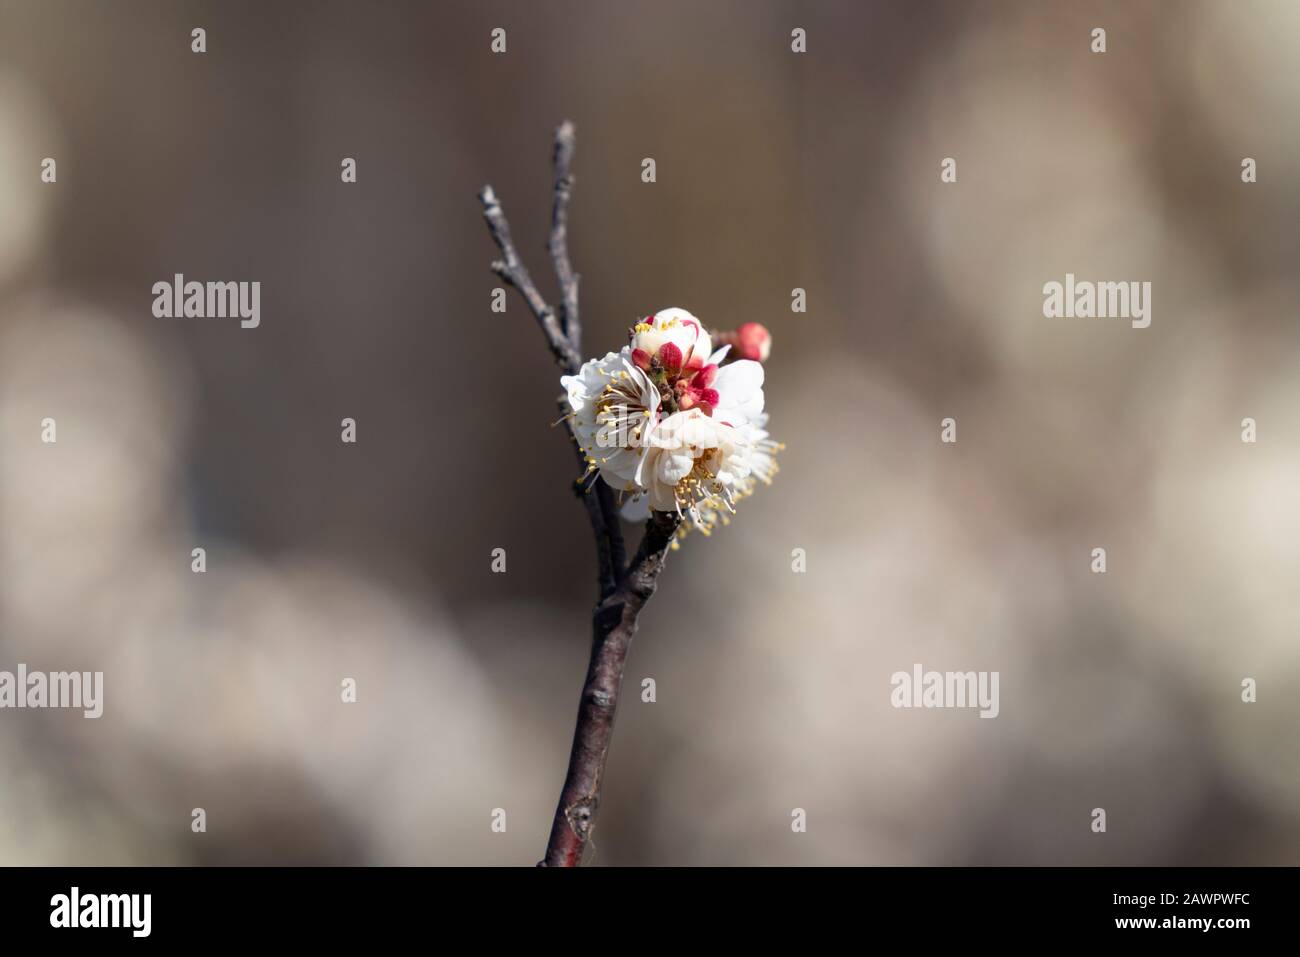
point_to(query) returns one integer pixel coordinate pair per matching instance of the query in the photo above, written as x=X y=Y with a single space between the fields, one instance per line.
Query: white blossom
x=671 y=428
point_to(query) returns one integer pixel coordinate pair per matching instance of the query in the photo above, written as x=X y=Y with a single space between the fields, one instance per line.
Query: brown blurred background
x=775 y=171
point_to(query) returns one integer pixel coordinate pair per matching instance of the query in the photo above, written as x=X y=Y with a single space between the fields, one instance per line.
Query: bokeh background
x=775 y=171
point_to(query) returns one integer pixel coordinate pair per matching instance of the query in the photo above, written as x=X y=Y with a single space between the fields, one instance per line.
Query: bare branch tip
x=564 y=143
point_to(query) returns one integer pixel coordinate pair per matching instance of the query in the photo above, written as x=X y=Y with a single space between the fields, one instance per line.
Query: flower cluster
x=671 y=424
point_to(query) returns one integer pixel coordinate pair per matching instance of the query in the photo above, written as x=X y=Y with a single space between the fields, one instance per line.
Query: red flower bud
x=704 y=378
x=670 y=357
x=641 y=359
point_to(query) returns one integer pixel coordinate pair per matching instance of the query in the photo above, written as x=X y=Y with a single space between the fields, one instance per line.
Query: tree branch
x=565 y=345
x=558 y=244
x=614 y=622
x=599 y=503
x=513 y=271
x=623 y=592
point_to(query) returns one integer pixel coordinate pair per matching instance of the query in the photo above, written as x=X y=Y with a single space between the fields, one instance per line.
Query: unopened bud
x=750 y=341
x=753 y=341
x=670 y=357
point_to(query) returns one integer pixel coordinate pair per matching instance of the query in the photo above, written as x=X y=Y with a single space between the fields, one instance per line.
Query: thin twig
x=513 y=271
x=617 y=553
x=623 y=591
x=558 y=244
x=609 y=562
x=565 y=341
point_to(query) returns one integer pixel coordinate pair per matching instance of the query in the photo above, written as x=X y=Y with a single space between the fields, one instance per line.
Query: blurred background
x=775 y=170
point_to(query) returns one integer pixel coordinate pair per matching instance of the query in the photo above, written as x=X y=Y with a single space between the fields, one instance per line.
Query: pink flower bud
x=753 y=341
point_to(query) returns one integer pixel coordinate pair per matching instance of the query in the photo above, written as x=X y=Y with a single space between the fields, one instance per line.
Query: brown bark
x=614 y=622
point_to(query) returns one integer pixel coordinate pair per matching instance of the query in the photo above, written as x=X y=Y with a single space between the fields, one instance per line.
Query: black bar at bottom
x=494 y=906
